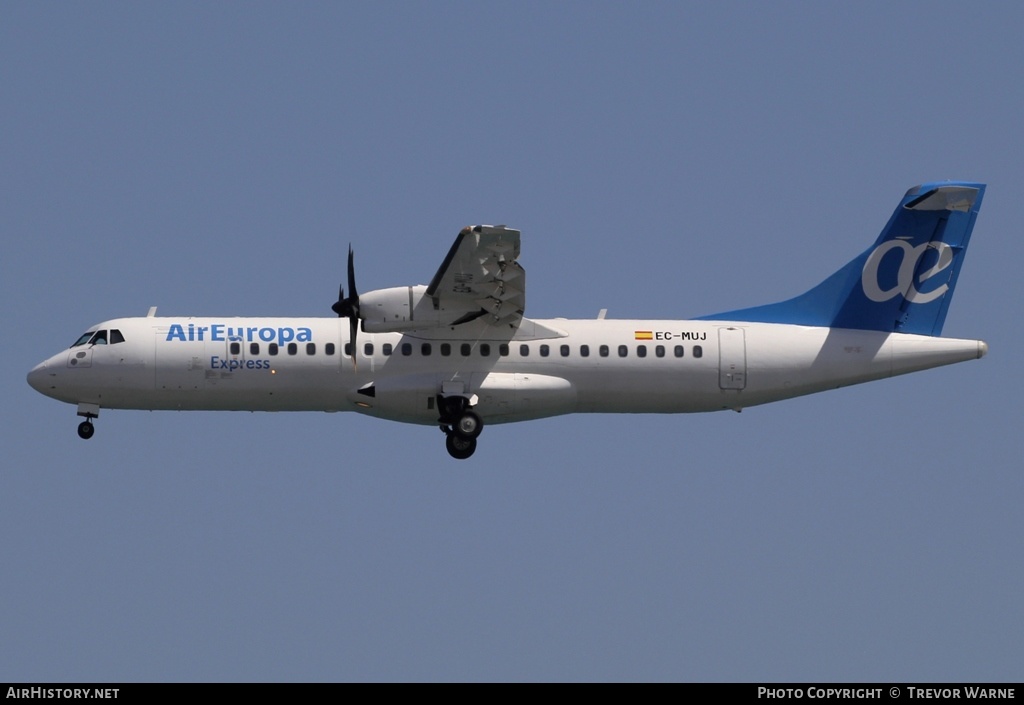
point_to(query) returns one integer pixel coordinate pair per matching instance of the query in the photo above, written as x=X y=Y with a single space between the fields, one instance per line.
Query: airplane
x=459 y=352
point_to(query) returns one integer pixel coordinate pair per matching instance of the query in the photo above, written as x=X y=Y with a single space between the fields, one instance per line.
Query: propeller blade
x=353 y=327
x=352 y=275
x=348 y=307
x=339 y=306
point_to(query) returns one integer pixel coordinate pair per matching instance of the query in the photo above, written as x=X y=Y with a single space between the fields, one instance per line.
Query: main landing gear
x=461 y=426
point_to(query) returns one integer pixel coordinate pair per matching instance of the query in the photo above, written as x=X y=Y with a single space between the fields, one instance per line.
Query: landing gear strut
x=461 y=426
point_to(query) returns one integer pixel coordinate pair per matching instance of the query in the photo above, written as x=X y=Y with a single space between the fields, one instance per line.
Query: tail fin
x=904 y=282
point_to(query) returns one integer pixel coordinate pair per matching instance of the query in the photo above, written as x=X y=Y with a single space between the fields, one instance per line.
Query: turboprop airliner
x=459 y=352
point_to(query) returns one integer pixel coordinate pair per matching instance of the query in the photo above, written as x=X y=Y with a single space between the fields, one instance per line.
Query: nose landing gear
x=90 y=412
x=461 y=426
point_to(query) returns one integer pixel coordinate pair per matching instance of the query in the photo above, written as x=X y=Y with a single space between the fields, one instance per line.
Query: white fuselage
x=545 y=368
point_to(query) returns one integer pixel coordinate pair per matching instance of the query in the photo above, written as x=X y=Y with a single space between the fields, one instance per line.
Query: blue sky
x=662 y=160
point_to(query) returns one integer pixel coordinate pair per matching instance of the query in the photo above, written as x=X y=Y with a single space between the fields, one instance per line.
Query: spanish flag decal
x=644 y=335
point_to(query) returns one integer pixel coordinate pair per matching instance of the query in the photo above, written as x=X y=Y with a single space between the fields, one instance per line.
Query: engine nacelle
x=399 y=308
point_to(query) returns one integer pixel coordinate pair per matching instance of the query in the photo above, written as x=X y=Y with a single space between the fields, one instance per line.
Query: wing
x=481 y=277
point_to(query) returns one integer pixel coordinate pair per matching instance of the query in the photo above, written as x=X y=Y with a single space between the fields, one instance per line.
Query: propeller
x=349 y=307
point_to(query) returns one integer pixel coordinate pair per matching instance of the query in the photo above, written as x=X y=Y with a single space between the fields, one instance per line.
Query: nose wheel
x=85 y=430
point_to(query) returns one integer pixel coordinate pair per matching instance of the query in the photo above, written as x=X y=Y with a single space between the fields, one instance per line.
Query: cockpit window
x=100 y=337
x=84 y=339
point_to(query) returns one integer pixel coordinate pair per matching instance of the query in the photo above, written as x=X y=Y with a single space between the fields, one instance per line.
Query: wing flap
x=481 y=276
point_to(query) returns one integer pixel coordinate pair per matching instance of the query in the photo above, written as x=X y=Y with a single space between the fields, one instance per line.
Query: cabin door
x=732 y=358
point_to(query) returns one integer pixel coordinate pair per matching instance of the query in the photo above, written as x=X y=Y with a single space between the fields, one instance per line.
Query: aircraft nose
x=37 y=378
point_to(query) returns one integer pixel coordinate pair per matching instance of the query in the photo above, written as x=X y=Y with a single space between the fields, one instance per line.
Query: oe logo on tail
x=905 y=284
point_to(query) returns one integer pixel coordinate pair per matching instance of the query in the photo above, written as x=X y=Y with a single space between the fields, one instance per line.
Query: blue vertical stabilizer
x=904 y=282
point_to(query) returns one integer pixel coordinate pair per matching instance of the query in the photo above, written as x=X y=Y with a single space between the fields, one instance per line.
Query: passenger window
x=659 y=350
x=387 y=348
x=293 y=348
x=503 y=349
x=254 y=348
x=272 y=348
x=348 y=349
x=485 y=350
x=584 y=351
x=641 y=351
x=446 y=349
x=623 y=351
x=311 y=348
x=698 y=351
x=544 y=350
x=425 y=349
x=466 y=349
x=407 y=349
x=603 y=351
x=564 y=350
x=115 y=336
x=524 y=350
x=368 y=349
x=328 y=349
x=679 y=350
x=236 y=348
